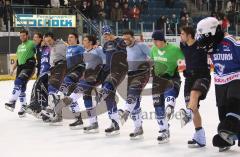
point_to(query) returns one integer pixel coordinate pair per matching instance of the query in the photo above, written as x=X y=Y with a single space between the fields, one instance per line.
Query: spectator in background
x=1 y=14
x=183 y=21
x=160 y=23
x=55 y=3
x=144 y=6
x=229 y=6
x=183 y=12
x=95 y=10
x=133 y=3
x=107 y=8
x=135 y=13
x=85 y=9
x=225 y=23
x=101 y=13
x=8 y=15
x=189 y=20
x=116 y=13
x=173 y=22
x=126 y=15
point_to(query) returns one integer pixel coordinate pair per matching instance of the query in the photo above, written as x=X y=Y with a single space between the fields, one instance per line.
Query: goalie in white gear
x=225 y=54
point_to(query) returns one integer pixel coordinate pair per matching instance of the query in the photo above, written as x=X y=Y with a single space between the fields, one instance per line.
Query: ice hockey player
x=39 y=95
x=25 y=65
x=75 y=70
x=138 y=76
x=225 y=55
x=197 y=83
x=94 y=59
x=166 y=81
x=115 y=71
x=58 y=67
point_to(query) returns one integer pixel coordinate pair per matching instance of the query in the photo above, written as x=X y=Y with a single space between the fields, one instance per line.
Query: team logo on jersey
x=161 y=52
x=219 y=68
x=226 y=48
x=69 y=50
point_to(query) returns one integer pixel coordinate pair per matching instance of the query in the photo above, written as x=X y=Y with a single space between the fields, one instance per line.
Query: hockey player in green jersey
x=166 y=81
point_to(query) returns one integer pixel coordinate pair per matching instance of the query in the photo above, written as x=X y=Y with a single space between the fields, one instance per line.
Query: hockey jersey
x=93 y=58
x=74 y=56
x=58 y=52
x=137 y=55
x=226 y=60
x=45 y=60
x=112 y=47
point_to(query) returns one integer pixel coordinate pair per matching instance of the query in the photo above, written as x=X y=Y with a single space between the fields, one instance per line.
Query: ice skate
x=136 y=134
x=77 y=125
x=198 y=140
x=113 y=130
x=164 y=136
x=91 y=129
x=10 y=106
x=22 y=112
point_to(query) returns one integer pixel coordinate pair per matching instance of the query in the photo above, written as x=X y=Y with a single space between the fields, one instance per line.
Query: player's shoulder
x=80 y=48
x=173 y=46
x=141 y=44
x=231 y=39
x=120 y=43
x=154 y=48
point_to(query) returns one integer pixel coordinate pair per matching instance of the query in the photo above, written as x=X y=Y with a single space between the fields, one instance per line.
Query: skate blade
x=164 y=141
x=22 y=116
x=93 y=131
x=195 y=146
x=114 y=133
x=79 y=127
x=9 y=108
x=139 y=137
x=224 y=149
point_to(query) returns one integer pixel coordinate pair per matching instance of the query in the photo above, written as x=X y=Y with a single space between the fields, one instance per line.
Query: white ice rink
x=29 y=137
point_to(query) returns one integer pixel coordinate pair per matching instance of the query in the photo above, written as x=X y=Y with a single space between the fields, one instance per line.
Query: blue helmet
x=106 y=29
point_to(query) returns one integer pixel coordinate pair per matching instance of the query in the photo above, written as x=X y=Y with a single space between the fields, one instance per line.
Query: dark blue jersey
x=196 y=58
x=112 y=47
x=45 y=59
x=226 y=60
x=74 y=56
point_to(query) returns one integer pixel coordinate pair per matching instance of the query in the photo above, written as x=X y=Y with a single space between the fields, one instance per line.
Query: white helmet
x=207 y=25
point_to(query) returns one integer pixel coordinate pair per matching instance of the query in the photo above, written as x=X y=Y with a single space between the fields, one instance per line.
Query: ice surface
x=29 y=137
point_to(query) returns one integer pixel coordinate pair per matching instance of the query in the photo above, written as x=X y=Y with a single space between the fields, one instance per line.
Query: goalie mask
x=209 y=32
